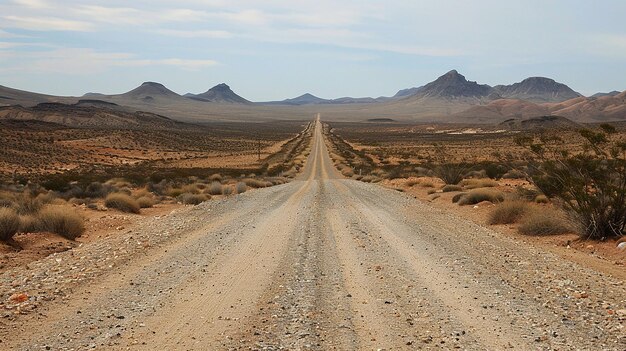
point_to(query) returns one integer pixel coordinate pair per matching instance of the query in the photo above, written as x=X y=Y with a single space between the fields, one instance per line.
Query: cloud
x=33 y=4
x=46 y=24
x=209 y=34
x=85 y=61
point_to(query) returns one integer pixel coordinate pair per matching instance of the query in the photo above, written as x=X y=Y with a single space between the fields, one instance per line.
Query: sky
x=272 y=50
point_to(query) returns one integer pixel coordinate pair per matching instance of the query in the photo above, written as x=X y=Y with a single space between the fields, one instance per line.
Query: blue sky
x=270 y=50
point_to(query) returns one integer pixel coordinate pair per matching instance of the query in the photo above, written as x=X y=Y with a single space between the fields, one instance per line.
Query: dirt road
x=320 y=263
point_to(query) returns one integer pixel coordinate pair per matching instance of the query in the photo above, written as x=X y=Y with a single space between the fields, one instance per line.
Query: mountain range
x=449 y=98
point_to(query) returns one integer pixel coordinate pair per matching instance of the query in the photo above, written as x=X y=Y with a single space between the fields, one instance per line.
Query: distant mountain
x=537 y=89
x=453 y=85
x=304 y=99
x=220 y=93
x=10 y=96
x=407 y=92
x=543 y=122
x=612 y=93
x=580 y=109
x=148 y=92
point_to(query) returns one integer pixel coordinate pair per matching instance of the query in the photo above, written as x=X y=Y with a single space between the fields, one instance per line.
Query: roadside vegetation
x=540 y=182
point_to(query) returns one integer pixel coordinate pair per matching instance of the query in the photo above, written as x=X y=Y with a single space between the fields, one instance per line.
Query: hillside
x=220 y=93
x=543 y=122
x=87 y=114
x=537 y=89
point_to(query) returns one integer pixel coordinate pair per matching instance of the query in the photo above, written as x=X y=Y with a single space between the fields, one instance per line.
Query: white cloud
x=33 y=4
x=209 y=34
x=46 y=24
x=88 y=61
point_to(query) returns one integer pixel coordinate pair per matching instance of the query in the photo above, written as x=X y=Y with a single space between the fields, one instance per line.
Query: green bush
x=591 y=185
x=122 y=202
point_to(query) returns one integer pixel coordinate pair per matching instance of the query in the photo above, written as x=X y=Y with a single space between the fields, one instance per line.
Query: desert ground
x=323 y=261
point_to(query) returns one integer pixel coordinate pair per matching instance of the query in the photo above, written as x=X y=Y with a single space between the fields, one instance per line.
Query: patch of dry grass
x=470 y=184
x=61 y=220
x=544 y=223
x=479 y=195
x=9 y=223
x=509 y=212
x=122 y=202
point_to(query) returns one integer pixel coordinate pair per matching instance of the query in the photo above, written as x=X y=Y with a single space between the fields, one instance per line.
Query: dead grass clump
x=241 y=187
x=542 y=199
x=118 y=183
x=146 y=201
x=514 y=174
x=174 y=192
x=9 y=223
x=347 y=172
x=228 y=190
x=28 y=224
x=479 y=195
x=192 y=199
x=254 y=183
x=544 y=223
x=450 y=188
x=62 y=221
x=122 y=202
x=190 y=188
x=457 y=197
x=24 y=204
x=216 y=188
x=509 y=212
x=426 y=183
x=479 y=183
x=411 y=182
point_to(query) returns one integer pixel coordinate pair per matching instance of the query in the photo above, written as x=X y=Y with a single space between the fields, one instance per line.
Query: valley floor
x=319 y=263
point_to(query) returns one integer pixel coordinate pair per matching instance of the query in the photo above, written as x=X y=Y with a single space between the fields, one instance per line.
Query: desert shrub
x=28 y=224
x=190 y=188
x=542 y=199
x=192 y=199
x=122 y=202
x=449 y=188
x=216 y=188
x=174 y=192
x=527 y=194
x=458 y=197
x=590 y=185
x=25 y=204
x=544 y=223
x=479 y=195
x=146 y=201
x=495 y=170
x=478 y=183
x=508 y=212
x=255 y=183
x=99 y=190
x=62 y=221
x=241 y=187
x=143 y=192
x=514 y=174
x=476 y=174
x=9 y=223
x=228 y=190
x=426 y=183
x=119 y=183
x=411 y=182
x=423 y=172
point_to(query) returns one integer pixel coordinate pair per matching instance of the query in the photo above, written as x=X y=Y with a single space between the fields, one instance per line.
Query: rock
x=622 y=246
